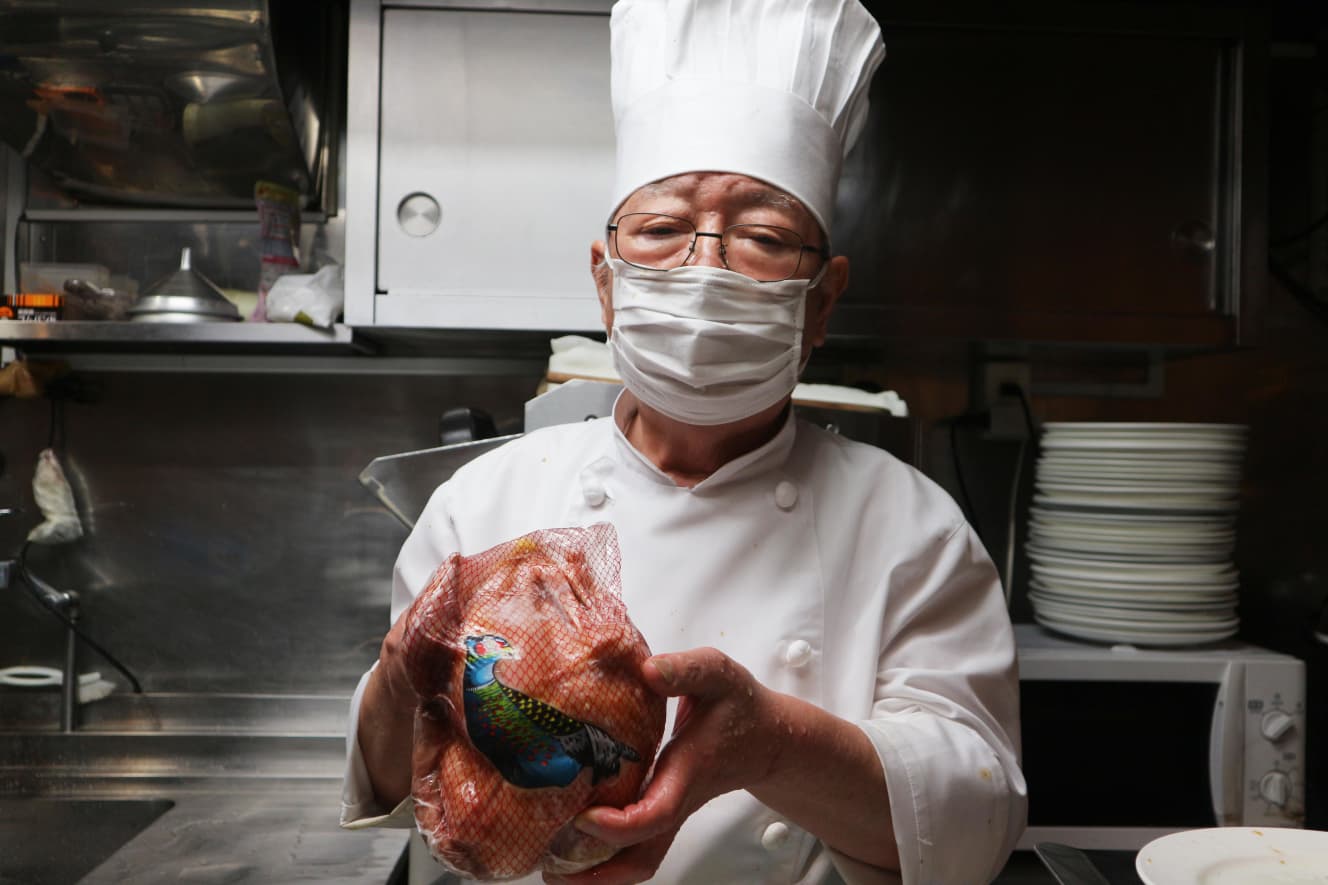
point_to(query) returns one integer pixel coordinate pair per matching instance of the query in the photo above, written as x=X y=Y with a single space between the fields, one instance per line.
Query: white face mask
x=706 y=345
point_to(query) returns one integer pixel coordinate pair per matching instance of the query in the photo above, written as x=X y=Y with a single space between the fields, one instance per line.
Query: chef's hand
x=726 y=736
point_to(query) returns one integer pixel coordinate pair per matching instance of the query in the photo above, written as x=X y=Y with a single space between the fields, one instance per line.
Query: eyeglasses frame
x=824 y=252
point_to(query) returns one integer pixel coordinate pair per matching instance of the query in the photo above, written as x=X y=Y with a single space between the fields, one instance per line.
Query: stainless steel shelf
x=178 y=337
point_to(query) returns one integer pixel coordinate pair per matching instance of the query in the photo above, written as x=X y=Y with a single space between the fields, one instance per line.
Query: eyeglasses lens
x=663 y=242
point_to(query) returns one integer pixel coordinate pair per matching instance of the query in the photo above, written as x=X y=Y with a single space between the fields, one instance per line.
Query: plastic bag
x=531 y=707
x=55 y=500
x=313 y=299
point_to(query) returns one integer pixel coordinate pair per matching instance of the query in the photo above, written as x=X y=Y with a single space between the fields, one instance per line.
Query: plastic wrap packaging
x=279 y=238
x=312 y=299
x=532 y=706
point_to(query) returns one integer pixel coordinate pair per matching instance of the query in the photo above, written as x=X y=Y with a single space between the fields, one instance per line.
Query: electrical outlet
x=992 y=375
x=1005 y=413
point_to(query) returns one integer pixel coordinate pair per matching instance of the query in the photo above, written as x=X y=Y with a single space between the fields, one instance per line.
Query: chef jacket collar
x=769 y=456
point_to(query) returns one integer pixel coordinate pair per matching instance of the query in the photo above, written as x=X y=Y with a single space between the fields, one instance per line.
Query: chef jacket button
x=594 y=494
x=775 y=836
x=798 y=653
x=786 y=495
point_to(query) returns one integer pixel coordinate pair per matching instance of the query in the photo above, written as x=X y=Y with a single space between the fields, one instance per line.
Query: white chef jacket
x=829 y=569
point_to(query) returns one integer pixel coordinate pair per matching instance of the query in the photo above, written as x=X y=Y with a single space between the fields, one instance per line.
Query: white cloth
x=830 y=570
x=774 y=89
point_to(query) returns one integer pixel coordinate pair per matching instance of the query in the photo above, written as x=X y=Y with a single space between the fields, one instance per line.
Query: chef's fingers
x=659 y=811
x=701 y=672
x=634 y=864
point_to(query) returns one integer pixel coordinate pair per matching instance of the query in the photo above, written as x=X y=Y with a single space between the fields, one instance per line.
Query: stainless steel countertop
x=255 y=783
x=262 y=831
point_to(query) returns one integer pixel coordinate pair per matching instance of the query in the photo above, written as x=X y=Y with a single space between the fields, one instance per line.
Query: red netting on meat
x=531 y=703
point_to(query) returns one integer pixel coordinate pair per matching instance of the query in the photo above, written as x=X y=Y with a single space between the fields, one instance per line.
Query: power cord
x=1301 y=292
x=40 y=591
x=1012 y=512
x=965 y=500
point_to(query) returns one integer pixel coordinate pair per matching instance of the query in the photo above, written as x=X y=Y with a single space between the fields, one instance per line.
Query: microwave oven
x=1123 y=744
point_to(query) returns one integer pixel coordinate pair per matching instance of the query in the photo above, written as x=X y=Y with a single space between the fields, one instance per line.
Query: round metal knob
x=419 y=215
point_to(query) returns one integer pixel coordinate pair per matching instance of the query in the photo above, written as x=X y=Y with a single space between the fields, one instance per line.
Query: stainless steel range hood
x=159 y=103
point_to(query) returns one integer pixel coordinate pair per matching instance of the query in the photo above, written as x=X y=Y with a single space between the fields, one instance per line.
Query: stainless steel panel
x=229 y=548
x=504 y=120
x=34 y=710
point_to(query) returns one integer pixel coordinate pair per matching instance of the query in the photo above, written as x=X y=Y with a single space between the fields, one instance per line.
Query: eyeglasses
x=764 y=252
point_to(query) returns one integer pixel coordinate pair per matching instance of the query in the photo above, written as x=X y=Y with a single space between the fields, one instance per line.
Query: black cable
x=1291 y=238
x=1026 y=447
x=35 y=586
x=1299 y=291
x=965 y=500
x=1017 y=390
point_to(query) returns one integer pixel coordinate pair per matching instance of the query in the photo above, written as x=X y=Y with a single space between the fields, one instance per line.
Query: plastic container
x=32 y=307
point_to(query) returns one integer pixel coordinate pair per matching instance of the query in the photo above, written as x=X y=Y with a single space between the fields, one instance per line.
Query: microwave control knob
x=1275 y=724
x=1275 y=787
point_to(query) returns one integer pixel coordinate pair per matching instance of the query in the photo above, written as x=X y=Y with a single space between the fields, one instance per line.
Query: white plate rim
x=1186 y=856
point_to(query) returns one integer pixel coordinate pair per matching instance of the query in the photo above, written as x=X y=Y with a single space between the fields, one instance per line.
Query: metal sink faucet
x=65 y=604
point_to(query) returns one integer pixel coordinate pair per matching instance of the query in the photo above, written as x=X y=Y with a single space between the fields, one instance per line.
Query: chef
x=834 y=631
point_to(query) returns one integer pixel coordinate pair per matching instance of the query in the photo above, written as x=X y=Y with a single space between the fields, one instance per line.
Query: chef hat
x=773 y=89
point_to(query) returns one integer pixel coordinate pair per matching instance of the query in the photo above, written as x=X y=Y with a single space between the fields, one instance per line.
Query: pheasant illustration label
x=532 y=706
x=531 y=743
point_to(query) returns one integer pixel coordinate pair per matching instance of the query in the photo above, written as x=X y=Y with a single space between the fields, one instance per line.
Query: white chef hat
x=773 y=89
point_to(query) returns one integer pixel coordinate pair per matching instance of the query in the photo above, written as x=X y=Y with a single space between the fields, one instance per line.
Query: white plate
x=1112 y=568
x=1106 y=445
x=1133 y=637
x=1141 y=457
x=1168 y=467
x=1090 y=578
x=1142 y=534
x=1133 y=521
x=1158 y=479
x=1106 y=614
x=1147 y=556
x=1235 y=856
x=1129 y=621
x=1145 y=427
x=1139 y=503
x=1124 y=599
x=1192 y=589
x=1203 y=489
x=1143 y=530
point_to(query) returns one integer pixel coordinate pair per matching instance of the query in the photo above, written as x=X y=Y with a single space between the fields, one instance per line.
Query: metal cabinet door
x=1049 y=173
x=495 y=168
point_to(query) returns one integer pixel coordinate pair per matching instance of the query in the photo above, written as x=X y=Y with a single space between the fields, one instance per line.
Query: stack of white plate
x=1131 y=531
